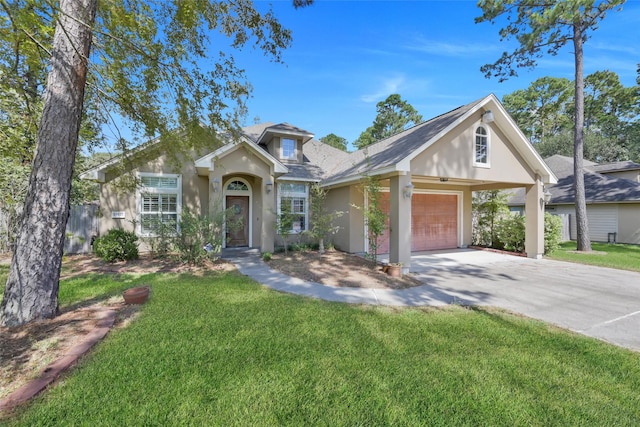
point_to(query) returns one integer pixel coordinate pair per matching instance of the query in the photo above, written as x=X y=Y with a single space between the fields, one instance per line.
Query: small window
x=481 y=147
x=288 y=149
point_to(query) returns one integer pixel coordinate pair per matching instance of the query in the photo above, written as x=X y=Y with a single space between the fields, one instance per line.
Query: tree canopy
x=394 y=116
x=544 y=111
x=162 y=67
x=335 y=141
x=545 y=28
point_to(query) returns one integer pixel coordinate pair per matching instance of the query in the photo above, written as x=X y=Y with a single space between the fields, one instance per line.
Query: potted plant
x=137 y=295
x=394 y=269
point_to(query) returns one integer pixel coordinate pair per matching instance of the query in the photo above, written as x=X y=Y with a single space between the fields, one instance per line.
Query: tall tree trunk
x=582 y=225
x=32 y=286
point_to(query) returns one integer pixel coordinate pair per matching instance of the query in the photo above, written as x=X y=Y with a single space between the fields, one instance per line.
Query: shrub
x=489 y=208
x=510 y=232
x=552 y=232
x=116 y=245
x=266 y=256
x=198 y=238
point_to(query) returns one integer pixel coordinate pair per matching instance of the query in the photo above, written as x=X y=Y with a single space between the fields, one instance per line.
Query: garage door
x=434 y=222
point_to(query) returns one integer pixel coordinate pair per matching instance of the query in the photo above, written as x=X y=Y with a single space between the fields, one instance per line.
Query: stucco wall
x=452 y=157
x=247 y=165
x=195 y=193
x=350 y=237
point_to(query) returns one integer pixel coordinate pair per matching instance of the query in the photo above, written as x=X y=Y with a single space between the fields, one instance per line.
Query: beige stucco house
x=427 y=173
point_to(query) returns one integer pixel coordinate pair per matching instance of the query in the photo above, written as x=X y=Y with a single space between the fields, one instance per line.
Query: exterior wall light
x=408 y=191
x=269 y=186
x=546 y=195
x=487 y=117
x=215 y=184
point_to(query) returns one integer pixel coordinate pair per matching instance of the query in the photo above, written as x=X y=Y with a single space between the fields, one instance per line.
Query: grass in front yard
x=222 y=350
x=620 y=256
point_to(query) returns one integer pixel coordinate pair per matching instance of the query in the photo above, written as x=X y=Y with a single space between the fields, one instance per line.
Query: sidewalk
x=249 y=263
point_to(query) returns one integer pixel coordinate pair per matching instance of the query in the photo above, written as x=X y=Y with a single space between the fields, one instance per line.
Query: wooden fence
x=81 y=227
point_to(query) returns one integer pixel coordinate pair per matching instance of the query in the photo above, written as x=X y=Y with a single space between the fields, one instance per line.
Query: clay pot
x=137 y=295
x=394 y=270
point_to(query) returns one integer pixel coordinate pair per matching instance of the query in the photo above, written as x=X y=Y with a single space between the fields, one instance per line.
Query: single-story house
x=427 y=174
x=612 y=196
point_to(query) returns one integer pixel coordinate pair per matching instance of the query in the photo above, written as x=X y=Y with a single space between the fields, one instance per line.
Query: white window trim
x=248 y=193
x=150 y=190
x=304 y=195
x=488 y=136
x=295 y=149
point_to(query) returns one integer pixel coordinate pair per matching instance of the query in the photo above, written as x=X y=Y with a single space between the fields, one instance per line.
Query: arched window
x=237 y=186
x=481 y=148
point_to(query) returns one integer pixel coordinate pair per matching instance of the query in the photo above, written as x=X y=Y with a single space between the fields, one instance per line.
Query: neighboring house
x=612 y=196
x=428 y=174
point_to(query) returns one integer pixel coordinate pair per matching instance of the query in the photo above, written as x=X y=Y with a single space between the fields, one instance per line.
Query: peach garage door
x=434 y=222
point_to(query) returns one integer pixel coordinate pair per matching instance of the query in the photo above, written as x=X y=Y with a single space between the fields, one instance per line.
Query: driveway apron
x=599 y=302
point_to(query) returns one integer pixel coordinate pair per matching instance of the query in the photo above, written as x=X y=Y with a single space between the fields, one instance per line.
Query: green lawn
x=624 y=257
x=222 y=350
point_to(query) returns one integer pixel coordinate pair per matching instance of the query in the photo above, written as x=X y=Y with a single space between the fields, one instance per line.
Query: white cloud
x=387 y=87
x=451 y=49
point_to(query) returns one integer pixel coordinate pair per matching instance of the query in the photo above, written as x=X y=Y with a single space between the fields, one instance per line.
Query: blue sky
x=348 y=55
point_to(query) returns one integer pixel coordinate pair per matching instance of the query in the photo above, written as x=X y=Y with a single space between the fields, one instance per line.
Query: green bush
x=116 y=245
x=266 y=256
x=552 y=232
x=198 y=238
x=510 y=232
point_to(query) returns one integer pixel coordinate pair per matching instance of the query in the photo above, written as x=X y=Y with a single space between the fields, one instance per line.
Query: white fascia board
x=286 y=178
x=356 y=178
x=306 y=137
x=93 y=175
x=205 y=163
x=521 y=142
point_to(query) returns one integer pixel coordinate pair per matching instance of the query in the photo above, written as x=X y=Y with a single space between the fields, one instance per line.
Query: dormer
x=284 y=142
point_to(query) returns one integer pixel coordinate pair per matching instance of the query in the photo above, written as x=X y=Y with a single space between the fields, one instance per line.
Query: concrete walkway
x=598 y=302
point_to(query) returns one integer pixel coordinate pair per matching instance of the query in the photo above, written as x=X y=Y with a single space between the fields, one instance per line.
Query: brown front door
x=238 y=231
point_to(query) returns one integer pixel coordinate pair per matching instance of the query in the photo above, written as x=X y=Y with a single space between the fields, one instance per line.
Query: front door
x=238 y=228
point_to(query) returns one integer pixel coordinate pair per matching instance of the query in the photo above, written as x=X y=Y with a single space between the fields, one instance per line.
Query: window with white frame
x=293 y=198
x=288 y=149
x=159 y=203
x=481 y=147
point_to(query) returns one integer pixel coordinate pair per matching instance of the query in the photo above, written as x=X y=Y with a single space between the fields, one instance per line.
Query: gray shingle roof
x=389 y=152
x=328 y=158
x=615 y=166
x=599 y=188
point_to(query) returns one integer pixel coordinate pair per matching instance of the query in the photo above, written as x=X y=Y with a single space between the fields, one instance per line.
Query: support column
x=269 y=209
x=534 y=220
x=400 y=222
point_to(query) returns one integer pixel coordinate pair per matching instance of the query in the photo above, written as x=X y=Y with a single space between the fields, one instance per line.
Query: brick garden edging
x=106 y=319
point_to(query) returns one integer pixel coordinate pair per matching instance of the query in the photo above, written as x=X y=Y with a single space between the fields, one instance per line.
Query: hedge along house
x=428 y=174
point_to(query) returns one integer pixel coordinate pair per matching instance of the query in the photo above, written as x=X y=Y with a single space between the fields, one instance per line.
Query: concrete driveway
x=595 y=301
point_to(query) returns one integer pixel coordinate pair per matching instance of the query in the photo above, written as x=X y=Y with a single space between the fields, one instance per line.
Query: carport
x=427 y=176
